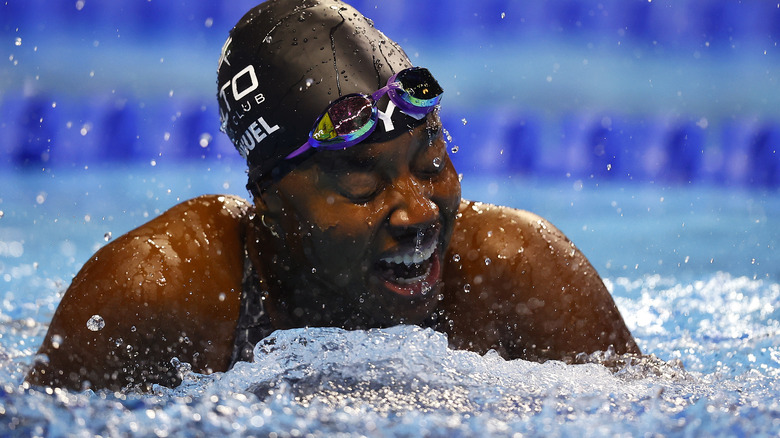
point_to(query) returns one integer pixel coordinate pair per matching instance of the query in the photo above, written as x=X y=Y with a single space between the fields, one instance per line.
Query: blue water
x=692 y=268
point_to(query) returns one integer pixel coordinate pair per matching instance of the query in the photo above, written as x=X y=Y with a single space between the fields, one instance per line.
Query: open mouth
x=414 y=271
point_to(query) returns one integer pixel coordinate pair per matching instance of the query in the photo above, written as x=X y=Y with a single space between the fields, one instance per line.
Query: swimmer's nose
x=413 y=209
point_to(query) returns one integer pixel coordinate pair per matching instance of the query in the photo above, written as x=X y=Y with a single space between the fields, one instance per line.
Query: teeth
x=418 y=256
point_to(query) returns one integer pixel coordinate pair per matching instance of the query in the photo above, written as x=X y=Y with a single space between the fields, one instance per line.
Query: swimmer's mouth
x=414 y=271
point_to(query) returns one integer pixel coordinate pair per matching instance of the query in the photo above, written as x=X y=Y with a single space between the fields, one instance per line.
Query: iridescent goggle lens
x=346 y=118
x=420 y=89
x=352 y=118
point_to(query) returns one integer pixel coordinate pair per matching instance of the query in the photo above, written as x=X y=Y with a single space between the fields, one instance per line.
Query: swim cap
x=285 y=61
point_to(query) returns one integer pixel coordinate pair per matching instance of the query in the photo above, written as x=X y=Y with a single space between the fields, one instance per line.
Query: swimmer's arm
x=168 y=289
x=532 y=293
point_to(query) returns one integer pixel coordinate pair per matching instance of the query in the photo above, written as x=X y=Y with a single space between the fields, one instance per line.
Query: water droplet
x=487 y=261
x=447 y=135
x=503 y=15
x=96 y=323
x=267 y=39
x=222 y=296
x=464 y=121
x=309 y=82
x=205 y=140
x=41 y=198
x=437 y=162
x=56 y=341
x=313 y=270
x=133 y=329
x=1 y=213
x=107 y=236
x=18 y=41
x=456 y=258
x=466 y=288
x=454 y=149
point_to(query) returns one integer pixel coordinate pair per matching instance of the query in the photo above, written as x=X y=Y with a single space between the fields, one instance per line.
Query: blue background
x=670 y=92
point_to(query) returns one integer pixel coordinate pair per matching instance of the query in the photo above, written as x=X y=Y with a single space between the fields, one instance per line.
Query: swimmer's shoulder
x=518 y=245
x=499 y=230
x=515 y=283
x=169 y=288
x=197 y=241
x=494 y=246
x=203 y=217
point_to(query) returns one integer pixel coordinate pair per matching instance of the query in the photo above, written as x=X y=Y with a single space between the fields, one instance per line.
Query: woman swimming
x=357 y=222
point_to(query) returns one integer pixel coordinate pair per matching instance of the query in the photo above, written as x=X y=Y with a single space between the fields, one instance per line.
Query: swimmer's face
x=364 y=230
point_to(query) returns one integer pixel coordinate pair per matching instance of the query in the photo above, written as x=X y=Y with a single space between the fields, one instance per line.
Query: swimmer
x=356 y=222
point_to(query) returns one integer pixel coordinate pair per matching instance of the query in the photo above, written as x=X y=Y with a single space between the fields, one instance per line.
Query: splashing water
x=96 y=323
x=406 y=381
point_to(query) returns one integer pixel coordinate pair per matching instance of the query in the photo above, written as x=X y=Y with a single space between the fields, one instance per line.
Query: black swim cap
x=285 y=61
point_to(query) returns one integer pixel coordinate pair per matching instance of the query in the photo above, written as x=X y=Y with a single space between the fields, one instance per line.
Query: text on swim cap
x=240 y=88
x=257 y=131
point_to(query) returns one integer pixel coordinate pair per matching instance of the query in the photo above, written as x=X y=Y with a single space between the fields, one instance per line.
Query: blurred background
x=659 y=91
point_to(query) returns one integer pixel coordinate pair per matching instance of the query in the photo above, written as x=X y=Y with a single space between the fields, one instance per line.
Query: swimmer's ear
x=269 y=206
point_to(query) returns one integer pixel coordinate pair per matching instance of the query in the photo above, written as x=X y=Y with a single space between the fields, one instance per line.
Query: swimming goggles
x=350 y=119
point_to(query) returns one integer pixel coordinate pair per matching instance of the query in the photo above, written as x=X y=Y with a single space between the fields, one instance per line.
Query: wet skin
x=329 y=242
x=343 y=218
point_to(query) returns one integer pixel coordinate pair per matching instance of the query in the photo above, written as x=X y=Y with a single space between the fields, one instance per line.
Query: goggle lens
x=420 y=87
x=353 y=115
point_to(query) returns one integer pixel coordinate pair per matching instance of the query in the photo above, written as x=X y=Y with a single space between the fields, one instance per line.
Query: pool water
x=693 y=270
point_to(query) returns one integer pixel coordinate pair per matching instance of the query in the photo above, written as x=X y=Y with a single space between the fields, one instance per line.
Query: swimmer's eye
x=360 y=187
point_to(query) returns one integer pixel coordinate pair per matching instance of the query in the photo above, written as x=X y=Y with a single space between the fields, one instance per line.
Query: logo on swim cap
x=386 y=116
x=225 y=52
